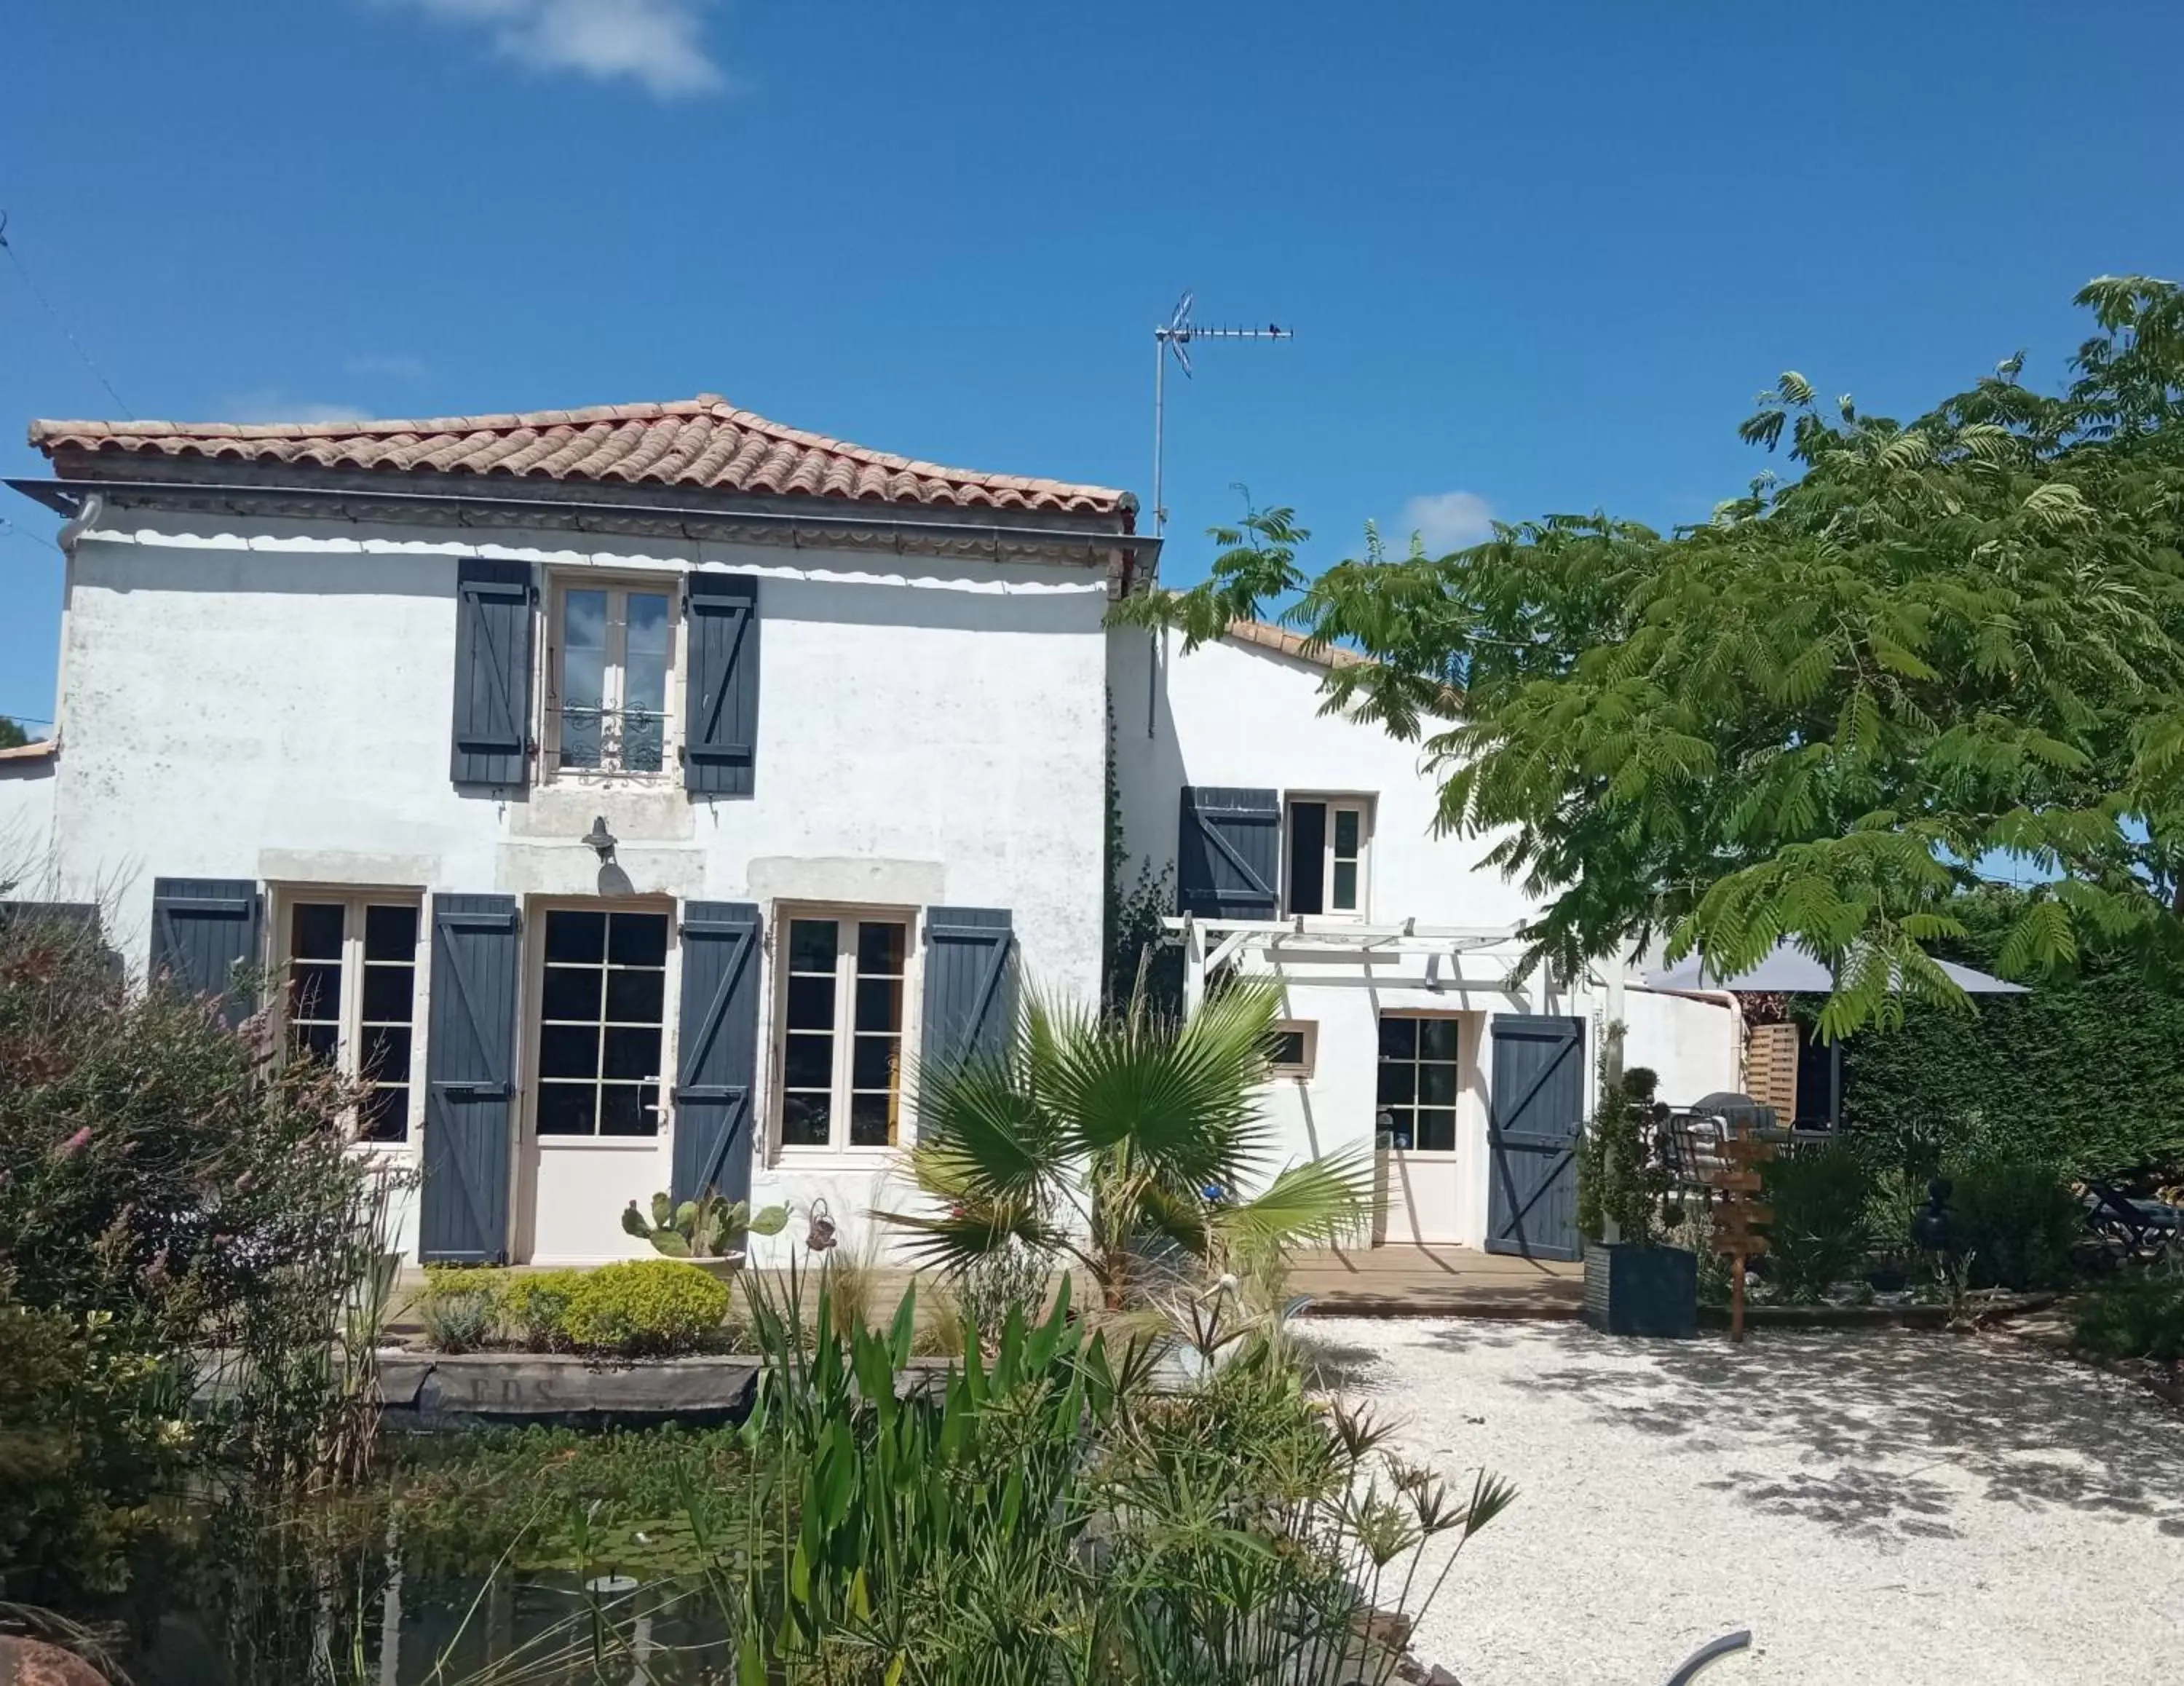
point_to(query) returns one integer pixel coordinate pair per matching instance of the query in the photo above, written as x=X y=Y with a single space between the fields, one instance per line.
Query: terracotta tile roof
x=1286 y=643
x=701 y=442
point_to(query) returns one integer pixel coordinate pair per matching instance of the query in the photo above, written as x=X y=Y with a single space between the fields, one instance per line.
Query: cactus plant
x=707 y=1227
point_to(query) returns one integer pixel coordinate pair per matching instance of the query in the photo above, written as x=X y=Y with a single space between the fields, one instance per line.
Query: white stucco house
x=623 y=793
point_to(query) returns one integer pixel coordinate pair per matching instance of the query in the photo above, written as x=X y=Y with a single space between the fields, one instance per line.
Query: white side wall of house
x=1242 y=715
x=252 y=700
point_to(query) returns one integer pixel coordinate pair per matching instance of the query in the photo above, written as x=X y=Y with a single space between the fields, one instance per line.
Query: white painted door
x=1421 y=1092
x=598 y=1131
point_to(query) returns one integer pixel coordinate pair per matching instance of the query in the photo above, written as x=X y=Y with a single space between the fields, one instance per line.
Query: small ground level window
x=1418 y=1077
x=841 y=1059
x=601 y=1006
x=351 y=969
x=1295 y=1043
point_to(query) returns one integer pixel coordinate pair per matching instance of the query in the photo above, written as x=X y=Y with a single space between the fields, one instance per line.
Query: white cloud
x=656 y=43
x=1448 y=521
x=270 y=404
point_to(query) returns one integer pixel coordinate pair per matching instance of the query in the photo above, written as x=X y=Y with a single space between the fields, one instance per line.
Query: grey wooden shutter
x=67 y=916
x=1536 y=1109
x=970 y=984
x=716 y=1060
x=204 y=931
x=720 y=737
x=492 y=670
x=470 y=1079
x=1227 y=852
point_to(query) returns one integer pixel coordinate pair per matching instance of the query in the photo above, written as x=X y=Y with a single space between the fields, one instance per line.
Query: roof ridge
x=504 y=421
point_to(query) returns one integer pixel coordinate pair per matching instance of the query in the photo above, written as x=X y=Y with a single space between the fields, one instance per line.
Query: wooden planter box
x=1632 y=1290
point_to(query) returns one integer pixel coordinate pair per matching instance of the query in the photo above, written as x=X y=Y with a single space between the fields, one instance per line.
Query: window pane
x=568 y=1051
x=638 y=939
x=872 y=1063
x=385 y=1053
x=314 y=1042
x=1437 y=1086
x=1307 y=885
x=1345 y=834
x=315 y=992
x=583 y=681
x=1401 y=1125
x=647 y=622
x=566 y=1109
x=580 y=738
x=1436 y=1131
x=880 y=949
x=812 y=1003
x=571 y=993
x=805 y=1119
x=1344 y=898
x=644 y=683
x=810 y=1062
x=872 y=1120
x=389 y=991
x=574 y=935
x=384 y=1115
x=1398 y=1082
x=314 y=930
x=622 y=1111
x=390 y=932
x=584 y=620
x=880 y=1004
x=635 y=997
x=1399 y=1038
x=632 y=1053
x=811 y=944
x=1289 y=1047
x=1437 y=1038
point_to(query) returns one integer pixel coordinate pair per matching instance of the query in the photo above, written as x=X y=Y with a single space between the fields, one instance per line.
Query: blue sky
x=1539 y=256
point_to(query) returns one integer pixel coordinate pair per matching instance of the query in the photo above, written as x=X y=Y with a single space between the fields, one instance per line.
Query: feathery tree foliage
x=1817 y=714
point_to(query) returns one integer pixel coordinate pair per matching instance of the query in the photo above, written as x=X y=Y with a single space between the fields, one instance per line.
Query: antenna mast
x=1173 y=338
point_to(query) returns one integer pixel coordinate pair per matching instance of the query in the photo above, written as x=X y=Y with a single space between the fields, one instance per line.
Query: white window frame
x=617 y=587
x=1335 y=802
x=286 y=899
x=534 y=1007
x=1462 y=1063
x=839 y=1149
x=1302 y=1069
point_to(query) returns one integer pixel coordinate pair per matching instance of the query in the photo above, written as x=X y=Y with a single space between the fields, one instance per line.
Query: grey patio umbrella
x=1789 y=970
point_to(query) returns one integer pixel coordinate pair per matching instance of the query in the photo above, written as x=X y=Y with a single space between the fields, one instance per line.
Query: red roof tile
x=702 y=442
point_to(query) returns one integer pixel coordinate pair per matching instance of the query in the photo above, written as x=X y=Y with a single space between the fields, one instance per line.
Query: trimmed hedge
x=2086 y=1073
x=646 y=1306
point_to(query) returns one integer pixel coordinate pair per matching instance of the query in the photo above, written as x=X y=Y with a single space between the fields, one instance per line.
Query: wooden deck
x=1412 y=1281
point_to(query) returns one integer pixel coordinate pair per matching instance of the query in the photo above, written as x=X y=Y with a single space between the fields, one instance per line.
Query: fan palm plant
x=1122 y=1142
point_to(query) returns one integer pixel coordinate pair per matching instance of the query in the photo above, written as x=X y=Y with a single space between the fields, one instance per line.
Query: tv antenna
x=1173 y=338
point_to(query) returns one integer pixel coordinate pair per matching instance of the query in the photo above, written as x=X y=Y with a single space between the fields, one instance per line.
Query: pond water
x=514 y=1557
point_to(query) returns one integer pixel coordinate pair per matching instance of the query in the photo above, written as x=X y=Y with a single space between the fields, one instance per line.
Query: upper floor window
x=1327 y=843
x=610 y=663
x=351 y=965
x=841 y=1043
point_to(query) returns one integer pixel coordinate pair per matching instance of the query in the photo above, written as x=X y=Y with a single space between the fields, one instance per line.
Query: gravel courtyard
x=1884 y=1507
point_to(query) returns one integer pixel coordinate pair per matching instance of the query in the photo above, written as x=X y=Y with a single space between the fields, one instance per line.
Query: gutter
x=73 y=497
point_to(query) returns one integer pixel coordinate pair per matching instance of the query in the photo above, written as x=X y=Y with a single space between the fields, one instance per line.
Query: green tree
x=1818 y=714
x=12 y=735
x=1123 y=1141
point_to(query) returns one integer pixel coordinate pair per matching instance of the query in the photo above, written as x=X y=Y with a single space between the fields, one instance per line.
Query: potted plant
x=1634 y=1283
x=710 y=1232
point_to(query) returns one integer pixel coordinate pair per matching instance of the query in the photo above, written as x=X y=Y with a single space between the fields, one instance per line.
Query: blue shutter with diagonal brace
x=1536 y=1110
x=493 y=671
x=720 y=740
x=203 y=931
x=1228 y=852
x=717 y=1061
x=470 y=1079
x=970 y=984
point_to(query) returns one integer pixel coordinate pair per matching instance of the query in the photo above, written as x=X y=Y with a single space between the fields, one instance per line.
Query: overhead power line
x=54 y=316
